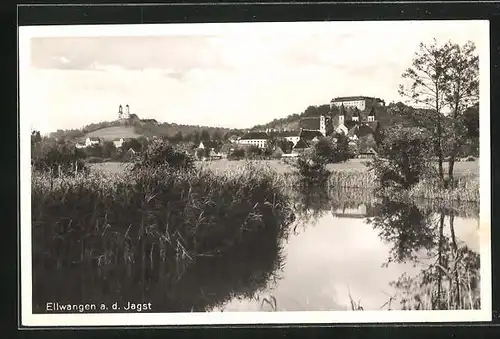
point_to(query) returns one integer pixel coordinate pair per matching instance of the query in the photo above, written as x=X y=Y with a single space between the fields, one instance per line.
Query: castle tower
x=322 y=125
x=120 y=112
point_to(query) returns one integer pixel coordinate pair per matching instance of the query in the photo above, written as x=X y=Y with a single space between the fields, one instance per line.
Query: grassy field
x=354 y=165
x=115 y=132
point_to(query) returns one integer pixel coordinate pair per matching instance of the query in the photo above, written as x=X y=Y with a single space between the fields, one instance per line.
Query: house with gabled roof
x=91 y=141
x=313 y=124
x=213 y=147
x=309 y=136
x=301 y=146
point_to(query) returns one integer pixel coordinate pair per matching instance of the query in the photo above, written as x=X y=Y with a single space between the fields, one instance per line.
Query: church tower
x=120 y=112
x=342 y=114
x=322 y=125
x=127 y=112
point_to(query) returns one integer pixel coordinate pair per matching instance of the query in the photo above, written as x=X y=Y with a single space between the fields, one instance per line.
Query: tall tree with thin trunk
x=444 y=80
x=462 y=93
x=428 y=78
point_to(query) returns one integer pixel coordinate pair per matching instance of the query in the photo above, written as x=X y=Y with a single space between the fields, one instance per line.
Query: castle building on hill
x=360 y=102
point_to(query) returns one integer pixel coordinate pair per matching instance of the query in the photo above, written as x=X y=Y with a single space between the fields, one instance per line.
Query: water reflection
x=200 y=285
x=352 y=250
x=449 y=278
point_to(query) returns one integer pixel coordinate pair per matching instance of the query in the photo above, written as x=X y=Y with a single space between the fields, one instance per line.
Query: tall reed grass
x=129 y=230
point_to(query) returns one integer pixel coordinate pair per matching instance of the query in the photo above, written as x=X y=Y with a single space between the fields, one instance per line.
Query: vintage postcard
x=255 y=173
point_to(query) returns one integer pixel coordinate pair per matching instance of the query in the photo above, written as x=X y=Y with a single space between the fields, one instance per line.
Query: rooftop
x=352 y=98
x=255 y=135
x=310 y=123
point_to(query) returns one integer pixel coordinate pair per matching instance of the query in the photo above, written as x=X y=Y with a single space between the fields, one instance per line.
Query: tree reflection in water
x=310 y=203
x=203 y=284
x=450 y=277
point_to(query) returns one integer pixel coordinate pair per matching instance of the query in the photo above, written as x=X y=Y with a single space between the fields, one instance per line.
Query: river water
x=337 y=257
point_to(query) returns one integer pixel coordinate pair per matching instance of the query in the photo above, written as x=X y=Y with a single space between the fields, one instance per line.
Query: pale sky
x=229 y=75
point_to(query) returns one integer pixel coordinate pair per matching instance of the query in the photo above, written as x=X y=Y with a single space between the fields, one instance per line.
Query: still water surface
x=336 y=254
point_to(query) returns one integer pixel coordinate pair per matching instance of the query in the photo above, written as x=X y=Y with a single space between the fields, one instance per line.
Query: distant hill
x=110 y=130
x=291 y=122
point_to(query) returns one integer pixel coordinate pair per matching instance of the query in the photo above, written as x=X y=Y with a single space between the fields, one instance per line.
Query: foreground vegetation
x=141 y=230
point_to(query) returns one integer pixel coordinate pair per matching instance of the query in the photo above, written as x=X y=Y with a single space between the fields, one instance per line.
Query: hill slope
x=114 y=132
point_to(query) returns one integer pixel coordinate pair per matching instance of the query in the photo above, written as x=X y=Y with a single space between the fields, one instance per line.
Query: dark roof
x=364 y=130
x=309 y=135
x=355 y=98
x=289 y=134
x=149 y=120
x=301 y=144
x=311 y=123
x=373 y=125
x=350 y=123
x=255 y=135
x=369 y=150
x=95 y=139
x=353 y=131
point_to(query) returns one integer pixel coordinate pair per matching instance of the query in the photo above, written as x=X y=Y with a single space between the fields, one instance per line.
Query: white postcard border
x=228 y=318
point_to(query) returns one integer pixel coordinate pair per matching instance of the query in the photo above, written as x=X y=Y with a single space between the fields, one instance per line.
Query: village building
x=212 y=146
x=355 y=124
x=259 y=139
x=301 y=146
x=149 y=121
x=313 y=124
x=233 y=138
x=92 y=141
x=118 y=142
x=292 y=136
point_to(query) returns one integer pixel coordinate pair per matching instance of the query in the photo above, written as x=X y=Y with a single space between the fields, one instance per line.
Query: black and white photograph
x=255 y=173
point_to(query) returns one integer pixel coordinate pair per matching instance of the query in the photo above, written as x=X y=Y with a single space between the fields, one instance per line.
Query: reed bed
x=352 y=179
x=126 y=230
x=465 y=190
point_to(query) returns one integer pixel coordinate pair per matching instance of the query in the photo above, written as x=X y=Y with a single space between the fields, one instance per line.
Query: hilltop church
x=131 y=117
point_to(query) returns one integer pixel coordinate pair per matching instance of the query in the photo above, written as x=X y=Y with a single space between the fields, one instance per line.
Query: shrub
x=238 y=153
x=406 y=155
x=470 y=158
x=59 y=159
x=311 y=167
x=160 y=153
